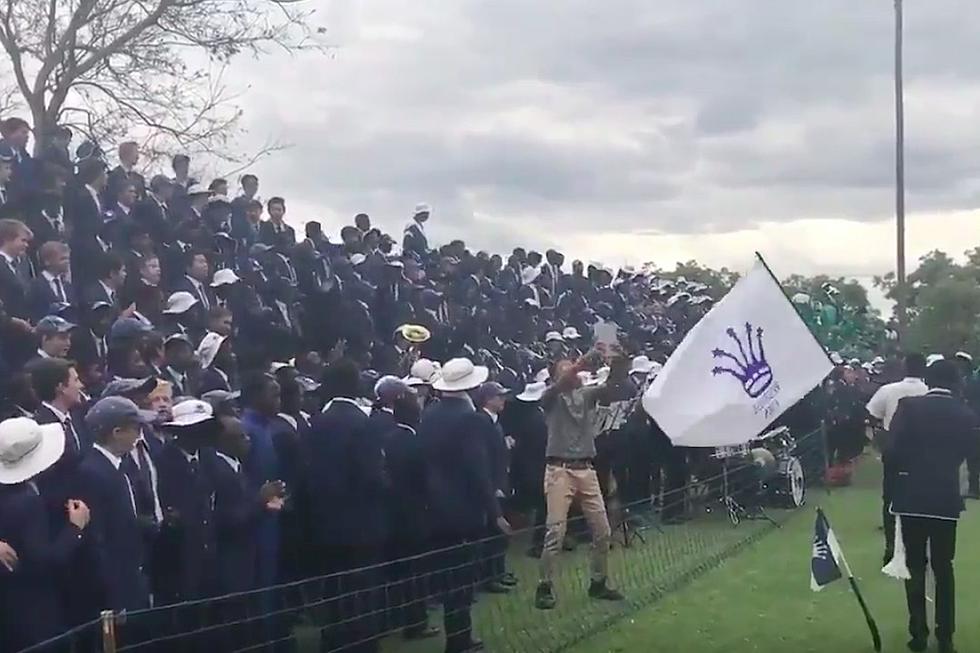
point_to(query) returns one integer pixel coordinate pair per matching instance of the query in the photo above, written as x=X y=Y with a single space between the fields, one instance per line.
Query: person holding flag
x=932 y=435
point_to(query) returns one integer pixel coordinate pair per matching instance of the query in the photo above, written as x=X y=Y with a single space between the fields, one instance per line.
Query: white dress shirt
x=884 y=403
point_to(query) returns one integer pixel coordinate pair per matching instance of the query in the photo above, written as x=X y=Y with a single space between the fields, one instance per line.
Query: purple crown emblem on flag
x=749 y=366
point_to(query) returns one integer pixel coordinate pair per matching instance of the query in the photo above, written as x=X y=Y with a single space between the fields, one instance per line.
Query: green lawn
x=760 y=600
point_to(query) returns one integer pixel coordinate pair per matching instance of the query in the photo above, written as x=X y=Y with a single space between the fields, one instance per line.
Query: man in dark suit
x=152 y=212
x=58 y=388
x=462 y=501
x=125 y=172
x=238 y=506
x=117 y=575
x=931 y=436
x=15 y=133
x=46 y=219
x=490 y=399
x=15 y=238
x=51 y=286
x=197 y=281
x=31 y=578
x=8 y=205
x=108 y=277
x=185 y=564
x=274 y=232
x=348 y=487
x=415 y=241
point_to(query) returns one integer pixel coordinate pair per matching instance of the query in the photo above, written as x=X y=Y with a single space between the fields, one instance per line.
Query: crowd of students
x=198 y=402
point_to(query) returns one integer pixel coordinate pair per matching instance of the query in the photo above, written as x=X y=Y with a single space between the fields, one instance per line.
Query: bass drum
x=787 y=489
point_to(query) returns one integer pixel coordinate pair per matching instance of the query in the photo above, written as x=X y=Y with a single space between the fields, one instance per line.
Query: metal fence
x=726 y=506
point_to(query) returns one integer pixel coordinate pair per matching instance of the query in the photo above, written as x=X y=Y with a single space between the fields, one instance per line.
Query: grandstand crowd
x=198 y=401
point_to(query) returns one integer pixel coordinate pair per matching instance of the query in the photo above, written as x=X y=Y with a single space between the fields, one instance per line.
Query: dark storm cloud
x=672 y=116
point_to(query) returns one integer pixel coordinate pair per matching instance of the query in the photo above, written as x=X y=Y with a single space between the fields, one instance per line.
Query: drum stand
x=736 y=511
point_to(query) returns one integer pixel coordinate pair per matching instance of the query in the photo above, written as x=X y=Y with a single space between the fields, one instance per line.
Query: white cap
x=190 y=412
x=357 y=258
x=553 y=336
x=224 y=277
x=932 y=358
x=422 y=207
x=965 y=356
x=543 y=375
x=641 y=365
x=570 y=333
x=179 y=302
x=529 y=274
x=425 y=370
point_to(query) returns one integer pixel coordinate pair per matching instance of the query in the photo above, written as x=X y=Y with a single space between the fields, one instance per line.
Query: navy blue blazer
x=932 y=435
x=30 y=597
x=117 y=544
x=460 y=487
x=347 y=480
x=55 y=481
x=236 y=513
x=408 y=498
x=184 y=560
x=496 y=447
x=42 y=296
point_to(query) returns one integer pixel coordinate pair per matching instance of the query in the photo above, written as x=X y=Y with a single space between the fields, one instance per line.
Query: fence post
x=108 y=621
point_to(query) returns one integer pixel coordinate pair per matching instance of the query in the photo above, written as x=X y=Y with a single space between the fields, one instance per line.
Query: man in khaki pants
x=570 y=474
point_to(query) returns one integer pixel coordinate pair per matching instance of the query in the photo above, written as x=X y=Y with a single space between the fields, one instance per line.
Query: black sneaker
x=972 y=494
x=544 y=597
x=599 y=590
x=918 y=644
x=509 y=580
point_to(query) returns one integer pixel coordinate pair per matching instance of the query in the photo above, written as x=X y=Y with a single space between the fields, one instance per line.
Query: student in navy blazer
x=462 y=500
x=30 y=587
x=238 y=508
x=348 y=488
x=185 y=559
x=119 y=579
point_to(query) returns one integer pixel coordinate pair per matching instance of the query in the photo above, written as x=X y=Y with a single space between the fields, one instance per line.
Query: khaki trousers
x=561 y=487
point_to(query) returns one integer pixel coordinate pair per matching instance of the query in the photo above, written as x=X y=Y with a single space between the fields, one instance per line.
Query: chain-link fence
x=728 y=504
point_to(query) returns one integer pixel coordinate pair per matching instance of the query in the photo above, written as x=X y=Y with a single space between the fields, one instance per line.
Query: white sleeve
x=876 y=407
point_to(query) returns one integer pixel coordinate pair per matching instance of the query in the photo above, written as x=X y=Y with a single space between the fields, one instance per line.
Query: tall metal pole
x=902 y=297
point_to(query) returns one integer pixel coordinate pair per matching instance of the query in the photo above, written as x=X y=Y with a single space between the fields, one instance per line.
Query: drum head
x=797 y=482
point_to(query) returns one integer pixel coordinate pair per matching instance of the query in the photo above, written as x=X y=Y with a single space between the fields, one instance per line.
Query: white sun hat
x=224 y=277
x=179 y=302
x=532 y=391
x=933 y=358
x=460 y=374
x=208 y=349
x=28 y=448
x=191 y=412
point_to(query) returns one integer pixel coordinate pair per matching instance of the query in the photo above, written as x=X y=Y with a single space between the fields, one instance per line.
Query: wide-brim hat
x=28 y=448
x=207 y=351
x=641 y=365
x=191 y=412
x=179 y=302
x=532 y=391
x=224 y=277
x=570 y=333
x=459 y=375
x=553 y=336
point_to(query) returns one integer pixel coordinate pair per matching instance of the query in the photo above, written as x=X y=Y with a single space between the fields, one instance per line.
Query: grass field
x=760 y=600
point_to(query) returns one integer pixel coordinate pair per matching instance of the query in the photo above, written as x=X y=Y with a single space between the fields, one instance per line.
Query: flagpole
x=796 y=310
x=902 y=299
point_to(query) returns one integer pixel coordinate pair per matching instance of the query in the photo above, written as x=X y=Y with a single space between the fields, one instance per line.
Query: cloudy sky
x=631 y=130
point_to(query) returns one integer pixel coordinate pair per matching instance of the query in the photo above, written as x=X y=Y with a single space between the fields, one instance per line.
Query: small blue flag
x=824 y=567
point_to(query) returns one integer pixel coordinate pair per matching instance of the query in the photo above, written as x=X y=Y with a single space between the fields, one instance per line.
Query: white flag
x=746 y=362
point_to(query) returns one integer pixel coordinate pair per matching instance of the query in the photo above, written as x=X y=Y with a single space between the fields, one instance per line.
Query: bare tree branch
x=111 y=67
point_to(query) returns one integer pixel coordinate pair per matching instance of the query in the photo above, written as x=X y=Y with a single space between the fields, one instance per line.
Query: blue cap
x=53 y=324
x=111 y=412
